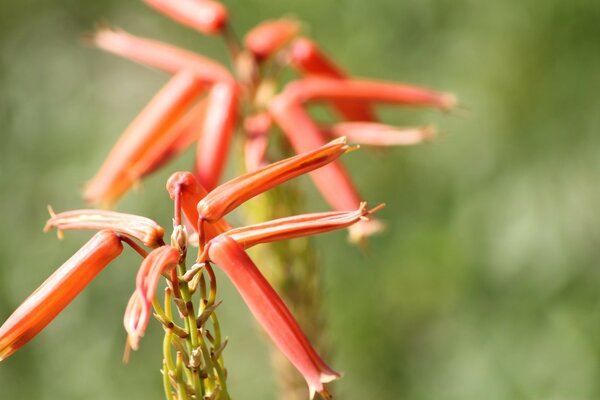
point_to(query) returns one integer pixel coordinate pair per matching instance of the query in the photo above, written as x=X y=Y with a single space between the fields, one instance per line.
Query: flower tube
x=376 y=134
x=113 y=180
x=231 y=194
x=306 y=56
x=144 y=229
x=139 y=307
x=217 y=130
x=43 y=305
x=315 y=89
x=159 y=55
x=205 y=16
x=185 y=187
x=271 y=312
x=269 y=36
x=298 y=226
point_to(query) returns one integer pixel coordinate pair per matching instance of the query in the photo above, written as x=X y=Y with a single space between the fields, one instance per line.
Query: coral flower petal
x=113 y=180
x=43 y=305
x=269 y=36
x=297 y=226
x=206 y=16
x=271 y=312
x=185 y=186
x=213 y=146
x=231 y=194
x=376 y=134
x=139 y=307
x=159 y=55
x=306 y=56
x=144 y=229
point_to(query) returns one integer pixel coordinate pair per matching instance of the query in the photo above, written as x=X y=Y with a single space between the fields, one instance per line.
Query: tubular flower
x=184 y=189
x=305 y=55
x=231 y=194
x=271 y=312
x=139 y=308
x=297 y=226
x=257 y=128
x=144 y=229
x=159 y=55
x=376 y=134
x=205 y=16
x=270 y=36
x=160 y=114
x=43 y=305
x=217 y=131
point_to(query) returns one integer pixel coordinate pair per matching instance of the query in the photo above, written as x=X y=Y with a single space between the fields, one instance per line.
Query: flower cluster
x=203 y=103
x=219 y=244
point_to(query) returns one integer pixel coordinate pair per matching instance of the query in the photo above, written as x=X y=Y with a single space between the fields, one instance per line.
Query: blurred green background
x=485 y=285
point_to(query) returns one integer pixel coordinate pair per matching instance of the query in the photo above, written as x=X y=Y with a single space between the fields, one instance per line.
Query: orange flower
x=43 y=305
x=271 y=312
x=219 y=123
x=186 y=192
x=269 y=36
x=297 y=226
x=159 y=55
x=139 y=307
x=206 y=16
x=306 y=56
x=376 y=134
x=231 y=194
x=144 y=229
x=158 y=116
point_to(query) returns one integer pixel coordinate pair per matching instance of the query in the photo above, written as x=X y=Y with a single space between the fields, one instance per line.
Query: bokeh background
x=486 y=284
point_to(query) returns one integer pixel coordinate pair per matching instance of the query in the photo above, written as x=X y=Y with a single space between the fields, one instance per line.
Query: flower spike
x=231 y=194
x=219 y=124
x=43 y=305
x=205 y=16
x=269 y=36
x=271 y=312
x=139 y=308
x=113 y=179
x=141 y=228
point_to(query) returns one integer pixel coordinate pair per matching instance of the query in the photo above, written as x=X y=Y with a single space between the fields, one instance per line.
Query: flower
x=144 y=229
x=270 y=311
x=43 y=305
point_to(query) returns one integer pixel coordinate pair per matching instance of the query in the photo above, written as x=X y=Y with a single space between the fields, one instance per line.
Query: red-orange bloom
x=114 y=177
x=139 y=308
x=270 y=311
x=144 y=229
x=269 y=36
x=306 y=56
x=231 y=194
x=219 y=123
x=159 y=55
x=376 y=134
x=186 y=192
x=43 y=305
x=206 y=16
x=297 y=226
